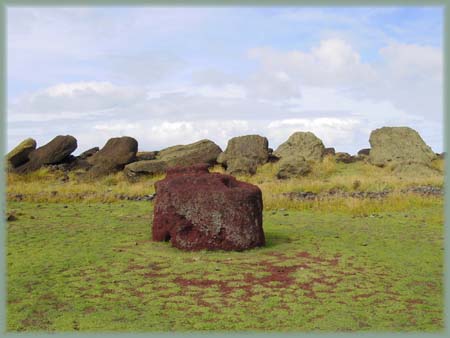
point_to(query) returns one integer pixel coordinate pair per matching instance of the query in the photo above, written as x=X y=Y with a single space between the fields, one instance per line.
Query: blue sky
x=176 y=75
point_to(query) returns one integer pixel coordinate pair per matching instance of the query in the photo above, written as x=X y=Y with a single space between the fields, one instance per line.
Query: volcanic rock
x=116 y=153
x=88 y=153
x=204 y=151
x=244 y=154
x=196 y=210
x=344 y=157
x=293 y=167
x=393 y=145
x=146 y=155
x=329 y=151
x=19 y=155
x=54 y=152
x=304 y=144
x=365 y=151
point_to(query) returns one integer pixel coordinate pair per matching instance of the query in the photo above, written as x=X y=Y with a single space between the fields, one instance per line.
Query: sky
x=169 y=76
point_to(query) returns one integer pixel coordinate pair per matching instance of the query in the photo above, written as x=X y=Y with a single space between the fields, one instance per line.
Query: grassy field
x=79 y=259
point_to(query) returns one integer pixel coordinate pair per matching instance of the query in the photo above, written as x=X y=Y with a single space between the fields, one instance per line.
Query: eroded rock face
x=304 y=144
x=54 y=152
x=196 y=210
x=293 y=167
x=394 y=145
x=19 y=155
x=244 y=154
x=116 y=153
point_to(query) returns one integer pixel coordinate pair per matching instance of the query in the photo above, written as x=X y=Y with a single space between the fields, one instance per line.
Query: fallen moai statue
x=196 y=210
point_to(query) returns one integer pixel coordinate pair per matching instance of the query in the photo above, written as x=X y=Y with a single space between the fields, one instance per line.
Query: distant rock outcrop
x=196 y=210
x=329 y=151
x=344 y=157
x=19 y=155
x=204 y=151
x=395 y=145
x=115 y=154
x=54 y=152
x=304 y=144
x=244 y=153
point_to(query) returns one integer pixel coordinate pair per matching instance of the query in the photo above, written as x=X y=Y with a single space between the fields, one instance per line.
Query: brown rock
x=293 y=167
x=196 y=210
x=329 y=151
x=88 y=153
x=54 y=152
x=344 y=157
x=113 y=157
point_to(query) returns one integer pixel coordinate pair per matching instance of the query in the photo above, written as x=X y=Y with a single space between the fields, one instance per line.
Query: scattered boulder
x=304 y=144
x=344 y=157
x=146 y=155
x=204 y=151
x=88 y=153
x=196 y=210
x=393 y=145
x=365 y=152
x=19 y=155
x=293 y=167
x=54 y=152
x=150 y=167
x=244 y=154
x=116 y=153
x=329 y=151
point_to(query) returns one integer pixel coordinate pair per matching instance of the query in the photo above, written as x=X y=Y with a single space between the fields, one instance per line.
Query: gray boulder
x=244 y=154
x=19 y=155
x=393 y=145
x=293 y=167
x=302 y=144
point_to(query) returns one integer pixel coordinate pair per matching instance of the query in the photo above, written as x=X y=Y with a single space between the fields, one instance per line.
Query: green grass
x=92 y=267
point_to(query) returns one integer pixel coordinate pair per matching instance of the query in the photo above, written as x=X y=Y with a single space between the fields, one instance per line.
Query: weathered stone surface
x=88 y=153
x=244 y=154
x=392 y=145
x=204 y=151
x=304 y=144
x=54 y=152
x=116 y=153
x=196 y=210
x=19 y=155
x=414 y=169
x=149 y=167
x=241 y=166
x=293 y=167
x=146 y=155
x=344 y=157
x=329 y=151
x=365 y=151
